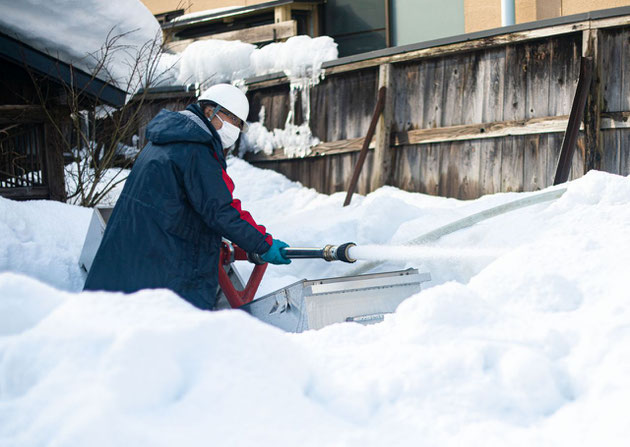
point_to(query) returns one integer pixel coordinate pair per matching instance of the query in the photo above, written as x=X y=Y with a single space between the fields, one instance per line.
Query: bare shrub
x=99 y=142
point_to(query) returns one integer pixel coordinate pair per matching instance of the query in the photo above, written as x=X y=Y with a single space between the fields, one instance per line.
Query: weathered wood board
x=324 y=173
x=342 y=106
x=276 y=104
x=469 y=169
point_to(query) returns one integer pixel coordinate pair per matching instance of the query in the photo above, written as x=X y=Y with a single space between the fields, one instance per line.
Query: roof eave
x=22 y=54
x=231 y=13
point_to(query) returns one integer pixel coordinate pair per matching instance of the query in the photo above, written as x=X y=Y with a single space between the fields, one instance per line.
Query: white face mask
x=228 y=133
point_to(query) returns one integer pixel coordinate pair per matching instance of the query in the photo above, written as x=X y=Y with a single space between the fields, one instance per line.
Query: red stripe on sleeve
x=236 y=204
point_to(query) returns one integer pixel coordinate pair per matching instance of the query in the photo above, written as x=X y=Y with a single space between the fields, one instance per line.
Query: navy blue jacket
x=166 y=228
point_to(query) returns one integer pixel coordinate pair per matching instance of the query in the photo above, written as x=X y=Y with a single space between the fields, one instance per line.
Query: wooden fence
x=468 y=116
x=31 y=154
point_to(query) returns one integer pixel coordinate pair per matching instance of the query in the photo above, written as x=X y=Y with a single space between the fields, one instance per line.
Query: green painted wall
x=356 y=25
x=419 y=20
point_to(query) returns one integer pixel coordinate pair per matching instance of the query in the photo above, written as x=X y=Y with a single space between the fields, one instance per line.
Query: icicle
x=304 y=73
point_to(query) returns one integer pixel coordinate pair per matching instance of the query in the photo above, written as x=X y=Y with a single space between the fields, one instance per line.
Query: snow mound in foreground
x=87 y=369
x=527 y=348
x=43 y=239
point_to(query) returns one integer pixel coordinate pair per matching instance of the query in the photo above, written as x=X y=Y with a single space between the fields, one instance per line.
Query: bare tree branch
x=99 y=132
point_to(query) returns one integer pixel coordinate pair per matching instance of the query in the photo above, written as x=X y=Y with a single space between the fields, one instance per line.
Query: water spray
x=350 y=253
x=407 y=253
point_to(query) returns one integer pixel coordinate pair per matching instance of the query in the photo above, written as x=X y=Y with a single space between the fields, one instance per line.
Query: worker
x=166 y=228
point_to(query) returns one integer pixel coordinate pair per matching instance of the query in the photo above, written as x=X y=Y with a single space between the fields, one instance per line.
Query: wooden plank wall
x=533 y=79
x=515 y=82
x=20 y=104
x=341 y=108
x=614 y=45
x=151 y=107
x=276 y=104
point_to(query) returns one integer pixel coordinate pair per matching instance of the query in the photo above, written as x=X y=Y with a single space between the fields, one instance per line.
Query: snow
x=208 y=62
x=109 y=187
x=212 y=61
x=43 y=239
x=521 y=339
x=44 y=25
x=207 y=12
x=295 y=141
x=299 y=57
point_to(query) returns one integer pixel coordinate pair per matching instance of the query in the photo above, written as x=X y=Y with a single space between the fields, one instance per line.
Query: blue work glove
x=274 y=254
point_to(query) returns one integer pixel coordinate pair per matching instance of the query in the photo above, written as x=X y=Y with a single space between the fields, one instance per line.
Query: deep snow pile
x=43 y=239
x=526 y=346
x=44 y=24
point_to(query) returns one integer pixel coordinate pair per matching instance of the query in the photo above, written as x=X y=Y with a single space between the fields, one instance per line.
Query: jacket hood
x=190 y=126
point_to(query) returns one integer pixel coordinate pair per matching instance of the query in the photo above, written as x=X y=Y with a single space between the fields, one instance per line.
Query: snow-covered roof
x=219 y=13
x=74 y=31
x=205 y=13
x=24 y=55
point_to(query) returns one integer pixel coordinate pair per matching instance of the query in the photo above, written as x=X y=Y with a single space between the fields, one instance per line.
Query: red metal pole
x=237 y=298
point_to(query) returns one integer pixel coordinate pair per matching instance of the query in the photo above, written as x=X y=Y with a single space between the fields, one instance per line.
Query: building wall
x=486 y=14
x=578 y=6
x=418 y=20
x=162 y=6
x=356 y=26
x=482 y=14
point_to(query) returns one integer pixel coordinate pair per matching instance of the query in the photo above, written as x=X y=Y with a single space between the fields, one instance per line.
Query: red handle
x=237 y=298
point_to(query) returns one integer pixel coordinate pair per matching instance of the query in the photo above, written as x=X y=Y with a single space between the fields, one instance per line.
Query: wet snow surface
x=525 y=344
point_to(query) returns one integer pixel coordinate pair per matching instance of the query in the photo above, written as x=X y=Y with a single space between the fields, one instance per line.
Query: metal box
x=94 y=236
x=313 y=304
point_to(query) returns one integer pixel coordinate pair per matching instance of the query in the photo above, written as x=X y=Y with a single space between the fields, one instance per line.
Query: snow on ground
x=109 y=186
x=44 y=25
x=525 y=344
x=43 y=239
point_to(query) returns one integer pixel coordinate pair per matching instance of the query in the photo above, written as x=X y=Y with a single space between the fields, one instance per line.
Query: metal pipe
x=328 y=252
x=507 y=13
x=303 y=253
x=388 y=27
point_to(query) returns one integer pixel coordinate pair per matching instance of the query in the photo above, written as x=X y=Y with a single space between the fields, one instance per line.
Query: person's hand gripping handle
x=275 y=253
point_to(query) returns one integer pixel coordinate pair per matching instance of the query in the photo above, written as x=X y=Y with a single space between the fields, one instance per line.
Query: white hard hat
x=230 y=98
